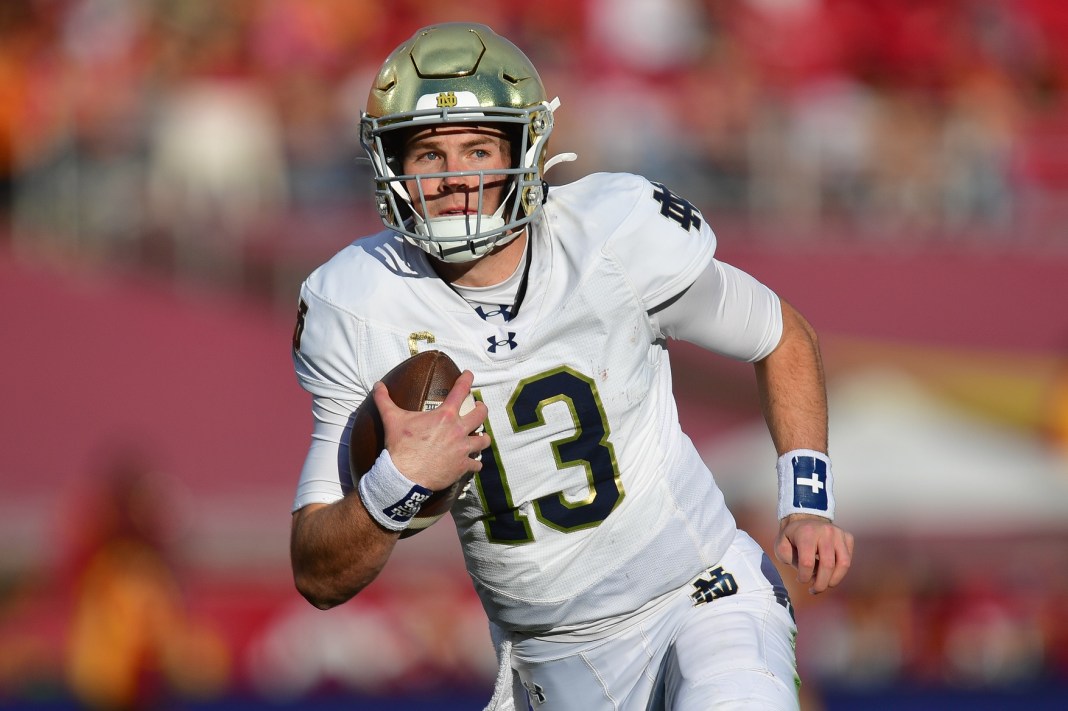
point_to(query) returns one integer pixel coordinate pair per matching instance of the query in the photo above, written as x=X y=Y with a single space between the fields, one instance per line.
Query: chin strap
x=558 y=159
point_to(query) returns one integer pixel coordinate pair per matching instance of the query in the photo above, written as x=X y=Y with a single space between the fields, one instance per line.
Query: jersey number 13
x=588 y=447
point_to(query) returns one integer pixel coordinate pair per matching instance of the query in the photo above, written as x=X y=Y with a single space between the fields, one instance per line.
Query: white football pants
x=723 y=641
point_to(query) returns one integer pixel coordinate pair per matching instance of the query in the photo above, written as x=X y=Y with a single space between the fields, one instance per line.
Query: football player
x=611 y=570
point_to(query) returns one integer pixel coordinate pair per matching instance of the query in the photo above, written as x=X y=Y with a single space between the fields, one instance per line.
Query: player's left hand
x=820 y=551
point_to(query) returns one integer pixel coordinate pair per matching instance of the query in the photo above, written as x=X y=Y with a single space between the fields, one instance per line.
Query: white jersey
x=591 y=502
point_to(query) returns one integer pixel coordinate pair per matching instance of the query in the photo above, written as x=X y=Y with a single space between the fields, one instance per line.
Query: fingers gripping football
x=436 y=447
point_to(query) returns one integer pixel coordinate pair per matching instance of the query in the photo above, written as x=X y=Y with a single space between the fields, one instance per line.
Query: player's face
x=439 y=149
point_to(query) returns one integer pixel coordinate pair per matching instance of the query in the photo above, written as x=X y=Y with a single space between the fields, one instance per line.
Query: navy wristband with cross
x=805 y=483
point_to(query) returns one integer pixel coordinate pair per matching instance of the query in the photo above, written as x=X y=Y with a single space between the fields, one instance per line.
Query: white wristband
x=391 y=498
x=805 y=483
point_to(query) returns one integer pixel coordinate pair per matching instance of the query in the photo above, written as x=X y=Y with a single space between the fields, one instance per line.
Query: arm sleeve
x=725 y=311
x=325 y=358
x=325 y=477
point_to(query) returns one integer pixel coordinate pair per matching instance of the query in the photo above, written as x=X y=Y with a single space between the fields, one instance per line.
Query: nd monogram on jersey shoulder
x=676 y=208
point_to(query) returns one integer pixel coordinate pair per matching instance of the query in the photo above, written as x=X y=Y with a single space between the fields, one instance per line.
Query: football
x=419 y=383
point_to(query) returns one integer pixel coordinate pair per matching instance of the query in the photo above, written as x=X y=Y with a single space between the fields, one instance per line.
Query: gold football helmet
x=458 y=73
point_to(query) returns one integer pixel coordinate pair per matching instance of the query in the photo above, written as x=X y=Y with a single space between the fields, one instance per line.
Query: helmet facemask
x=460 y=238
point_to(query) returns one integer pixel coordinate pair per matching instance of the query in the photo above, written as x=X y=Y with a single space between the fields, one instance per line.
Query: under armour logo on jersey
x=495 y=343
x=675 y=208
x=714 y=584
x=810 y=483
x=504 y=311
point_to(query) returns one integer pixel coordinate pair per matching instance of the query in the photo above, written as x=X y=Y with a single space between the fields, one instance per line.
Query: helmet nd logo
x=447 y=100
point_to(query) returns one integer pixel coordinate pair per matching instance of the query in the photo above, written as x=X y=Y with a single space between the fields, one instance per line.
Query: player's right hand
x=820 y=551
x=434 y=448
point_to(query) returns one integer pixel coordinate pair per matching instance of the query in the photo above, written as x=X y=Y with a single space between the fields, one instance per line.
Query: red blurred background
x=170 y=171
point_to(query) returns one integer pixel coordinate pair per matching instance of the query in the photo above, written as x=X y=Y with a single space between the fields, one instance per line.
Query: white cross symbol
x=812 y=481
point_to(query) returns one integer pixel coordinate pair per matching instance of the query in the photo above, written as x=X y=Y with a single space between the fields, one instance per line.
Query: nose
x=453 y=182
x=456 y=182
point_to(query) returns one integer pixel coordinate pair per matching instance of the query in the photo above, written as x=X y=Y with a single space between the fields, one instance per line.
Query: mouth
x=456 y=212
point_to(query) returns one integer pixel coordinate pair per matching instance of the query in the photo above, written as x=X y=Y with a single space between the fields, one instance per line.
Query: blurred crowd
x=216 y=140
x=126 y=624
x=187 y=133
x=937 y=613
